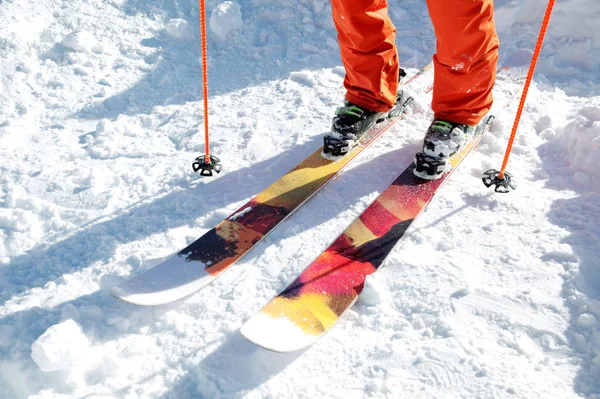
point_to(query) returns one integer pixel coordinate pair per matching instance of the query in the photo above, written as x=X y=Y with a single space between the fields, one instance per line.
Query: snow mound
x=586 y=320
x=375 y=291
x=225 y=18
x=60 y=347
x=81 y=41
x=581 y=139
x=179 y=28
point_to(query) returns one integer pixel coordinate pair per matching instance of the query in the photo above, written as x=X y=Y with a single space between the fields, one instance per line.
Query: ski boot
x=351 y=122
x=442 y=140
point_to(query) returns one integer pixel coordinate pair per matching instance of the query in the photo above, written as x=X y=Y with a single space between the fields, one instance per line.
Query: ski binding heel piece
x=429 y=168
x=503 y=184
x=336 y=147
x=205 y=167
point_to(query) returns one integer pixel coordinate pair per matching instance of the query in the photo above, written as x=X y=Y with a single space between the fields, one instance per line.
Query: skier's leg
x=465 y=60
x=366 y=38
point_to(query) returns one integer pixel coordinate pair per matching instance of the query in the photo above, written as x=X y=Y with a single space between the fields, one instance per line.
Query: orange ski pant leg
x=465 y=60
x=366 y=37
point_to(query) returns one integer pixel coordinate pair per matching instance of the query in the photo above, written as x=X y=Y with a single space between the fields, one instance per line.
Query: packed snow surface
x=101 y=118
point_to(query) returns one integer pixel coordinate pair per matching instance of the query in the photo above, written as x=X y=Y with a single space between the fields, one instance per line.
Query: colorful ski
x=206 y=258
x=314 y=302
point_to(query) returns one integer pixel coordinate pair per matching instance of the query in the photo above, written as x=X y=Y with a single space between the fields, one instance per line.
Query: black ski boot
x=351 y=122
x=442 y=140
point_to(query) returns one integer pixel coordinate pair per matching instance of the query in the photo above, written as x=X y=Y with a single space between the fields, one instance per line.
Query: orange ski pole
x=205 y=164
x=502 y=179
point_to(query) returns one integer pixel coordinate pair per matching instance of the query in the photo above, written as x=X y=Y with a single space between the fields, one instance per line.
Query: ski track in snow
x=101 y=117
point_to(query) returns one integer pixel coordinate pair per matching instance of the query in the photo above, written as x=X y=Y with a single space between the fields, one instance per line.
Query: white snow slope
x=101 y=117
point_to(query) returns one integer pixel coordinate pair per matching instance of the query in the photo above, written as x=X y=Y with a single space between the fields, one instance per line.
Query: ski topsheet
x=330 y=285
x=202 y=261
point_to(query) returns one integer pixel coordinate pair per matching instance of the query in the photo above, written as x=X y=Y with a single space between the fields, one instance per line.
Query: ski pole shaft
x=205 y=164
x=204 y=78
x=534 y=60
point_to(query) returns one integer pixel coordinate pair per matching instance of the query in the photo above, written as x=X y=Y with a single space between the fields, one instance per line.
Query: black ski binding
x=429 y=168
x=503 y=184
x=205 y=167
x=335 y=145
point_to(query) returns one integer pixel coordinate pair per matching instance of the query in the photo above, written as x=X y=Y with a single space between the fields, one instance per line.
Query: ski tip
x=119 y=293
x=172 y=280
x=276 y=334
x=124 y=295
x=141 y=299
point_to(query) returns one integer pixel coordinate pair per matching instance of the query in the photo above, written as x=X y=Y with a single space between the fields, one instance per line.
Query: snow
x=101 y=118
x=580 y=139
x=226 y=17
x=374 y=292
x=586 y=320
x=81 y=41
x=240 y=213
x=63 y=345
x=178 y=28
x=255 y=330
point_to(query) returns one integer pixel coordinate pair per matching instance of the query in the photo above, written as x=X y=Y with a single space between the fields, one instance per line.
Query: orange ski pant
x=465 y=59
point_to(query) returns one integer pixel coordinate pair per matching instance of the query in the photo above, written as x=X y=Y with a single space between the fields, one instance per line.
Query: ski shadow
x=95 y=243
x=25 y=326
x=102 y=319
x=247 y=367
x=234 y=367
x=579 y=215
x=106 y=319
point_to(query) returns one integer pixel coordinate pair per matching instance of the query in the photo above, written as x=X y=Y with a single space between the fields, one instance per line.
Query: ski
x=205 y=259
x=312 y=304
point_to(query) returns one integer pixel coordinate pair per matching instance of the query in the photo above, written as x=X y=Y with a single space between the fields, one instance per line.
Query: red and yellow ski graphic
x=206 y=258
x=329 y=286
